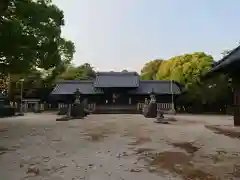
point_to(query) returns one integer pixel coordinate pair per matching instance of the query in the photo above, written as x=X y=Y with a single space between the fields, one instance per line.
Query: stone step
x=111 y=109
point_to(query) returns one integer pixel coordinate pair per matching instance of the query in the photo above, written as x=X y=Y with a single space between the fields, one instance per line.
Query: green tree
x=186 y=69
x=82 y=72
x=200 y=94
x=150 y=69
x=30 y=33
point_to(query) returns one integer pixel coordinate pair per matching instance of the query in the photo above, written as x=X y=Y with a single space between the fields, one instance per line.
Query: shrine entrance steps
x=116 y=109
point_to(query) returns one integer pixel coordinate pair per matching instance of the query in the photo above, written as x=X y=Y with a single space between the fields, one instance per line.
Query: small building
x=31 y=105
x=117 y=90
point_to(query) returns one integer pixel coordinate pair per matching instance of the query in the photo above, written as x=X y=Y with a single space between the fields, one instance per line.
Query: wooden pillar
x=236 y=100
x=129 y=100
x=25 y=106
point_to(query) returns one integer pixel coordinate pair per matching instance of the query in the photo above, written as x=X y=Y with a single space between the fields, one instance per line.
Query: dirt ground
x=117 y=147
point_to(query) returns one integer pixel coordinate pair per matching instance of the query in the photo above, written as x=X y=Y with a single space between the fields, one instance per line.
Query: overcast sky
x=125 y=34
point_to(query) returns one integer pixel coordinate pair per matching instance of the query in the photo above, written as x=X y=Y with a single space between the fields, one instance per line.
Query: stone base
x=63 y=111
x=64 y=118
x=150 y=111
x=161 y=121
x=67 y=118
x=171 y=119
x=77 y=117
x=20 y=114
x=77 y=110
x=38 y=111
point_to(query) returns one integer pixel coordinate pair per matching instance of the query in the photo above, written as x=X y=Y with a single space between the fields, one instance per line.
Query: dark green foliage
x=30 y=33
x=82 y=72
x=30 y=42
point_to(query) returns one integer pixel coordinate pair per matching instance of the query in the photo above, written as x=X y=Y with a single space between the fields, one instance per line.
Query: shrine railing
x=160 y=106
x=92 y=106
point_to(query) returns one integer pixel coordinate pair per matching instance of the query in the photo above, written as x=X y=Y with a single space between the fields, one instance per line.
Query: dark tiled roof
x=158 y=87
x=116 y=79
x=231 y=58
x=128 y=73
x=69 y=87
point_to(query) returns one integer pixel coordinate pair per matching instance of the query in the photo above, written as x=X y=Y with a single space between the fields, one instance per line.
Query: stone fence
x=31 y=107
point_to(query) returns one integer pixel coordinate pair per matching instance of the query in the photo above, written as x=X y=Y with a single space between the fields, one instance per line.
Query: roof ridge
x=112 y=73
x=156 y=81
x=74 y=81
x=228 y=55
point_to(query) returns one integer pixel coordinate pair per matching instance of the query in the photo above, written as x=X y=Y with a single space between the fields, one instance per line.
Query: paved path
x=116 y=147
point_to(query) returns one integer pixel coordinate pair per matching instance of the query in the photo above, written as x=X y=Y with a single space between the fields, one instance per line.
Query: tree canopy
x=82 y=72
x=30 y=33
x=188 y=70
x=150 y=69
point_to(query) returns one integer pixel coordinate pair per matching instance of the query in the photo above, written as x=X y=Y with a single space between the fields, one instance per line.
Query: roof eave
x=221 y=62
x=99 y=86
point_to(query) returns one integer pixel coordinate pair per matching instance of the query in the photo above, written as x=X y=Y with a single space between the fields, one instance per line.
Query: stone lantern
x=77 y=96
x=152 y=96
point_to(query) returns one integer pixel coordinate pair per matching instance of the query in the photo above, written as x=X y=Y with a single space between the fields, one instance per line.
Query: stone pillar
x=25 y=106
x=37 y=106
x=69 y=110
x=42 y=107
x=145 y=101
x=236 y=100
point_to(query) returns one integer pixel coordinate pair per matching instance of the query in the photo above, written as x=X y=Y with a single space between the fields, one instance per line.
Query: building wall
x=121 y=99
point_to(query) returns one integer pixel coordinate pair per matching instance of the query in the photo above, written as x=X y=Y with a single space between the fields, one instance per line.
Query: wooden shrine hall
x=117 y=92
x=230 y=65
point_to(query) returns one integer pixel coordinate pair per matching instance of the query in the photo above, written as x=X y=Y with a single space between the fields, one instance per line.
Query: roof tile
x=158 y=87
x=117 y=79
x=70 y=87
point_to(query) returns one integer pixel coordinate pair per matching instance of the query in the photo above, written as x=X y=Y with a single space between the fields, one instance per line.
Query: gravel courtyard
x=117 y=147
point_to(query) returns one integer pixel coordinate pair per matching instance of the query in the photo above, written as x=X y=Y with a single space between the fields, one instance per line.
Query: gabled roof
x=145 y=87
x=116 y=79
x=70 y=87
x=158 y=87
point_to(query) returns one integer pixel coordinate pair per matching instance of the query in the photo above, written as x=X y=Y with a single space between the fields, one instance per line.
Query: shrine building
x=117 y=90
x=230 y=64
